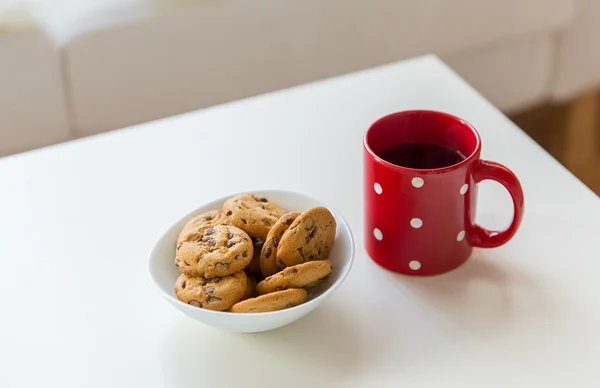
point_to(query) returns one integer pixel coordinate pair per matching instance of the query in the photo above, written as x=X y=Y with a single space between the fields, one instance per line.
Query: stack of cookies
x=253 y=256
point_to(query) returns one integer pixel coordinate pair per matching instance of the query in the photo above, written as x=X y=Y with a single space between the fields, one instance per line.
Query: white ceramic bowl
x=164 y=273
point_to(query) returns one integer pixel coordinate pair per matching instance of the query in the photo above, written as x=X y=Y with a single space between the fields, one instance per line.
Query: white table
x=78 y=220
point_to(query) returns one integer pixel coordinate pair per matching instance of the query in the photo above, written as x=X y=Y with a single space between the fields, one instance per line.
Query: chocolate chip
x=228 y=213
x=301 y=252
x=268 y=252
x=311 y=257
x=211 y=242
x=222 y=266
x=213 y=299
x=275 y=241
x=263 y=199
x=179 y=246
x=266 y=222
x=207 y=218
x=209 y=290
x=183 y=283
x=209 y=231
x=292 y=271
x=195 y=303
x=231 y=243
x=288 y=220
x=244 y=220
x=319 y=251
x=309 y=224
x=237 y=257
x=280 y=263
x=202 y=281
x=310 y=235
x=177 y=261
x=257 y=241
x=214 y=280
x=245 y=254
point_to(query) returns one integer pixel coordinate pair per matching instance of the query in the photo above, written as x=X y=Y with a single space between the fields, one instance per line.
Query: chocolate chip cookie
x=211 y=218
x=268 y=255
x=310 y=237
x=254 y=215
x=214 y=251
x=304 y=275
x=218 y=293
x=250 y=288
x=272 y=302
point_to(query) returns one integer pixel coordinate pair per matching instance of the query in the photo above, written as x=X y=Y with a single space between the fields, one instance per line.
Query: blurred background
x=71 y=68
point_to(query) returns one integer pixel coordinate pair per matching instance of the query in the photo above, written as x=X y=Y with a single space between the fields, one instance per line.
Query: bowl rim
x=339 y=219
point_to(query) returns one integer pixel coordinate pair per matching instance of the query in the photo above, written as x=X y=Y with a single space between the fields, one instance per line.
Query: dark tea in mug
x=423 y=156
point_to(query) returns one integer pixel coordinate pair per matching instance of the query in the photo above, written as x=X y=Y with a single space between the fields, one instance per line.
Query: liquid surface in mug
x=421 y=156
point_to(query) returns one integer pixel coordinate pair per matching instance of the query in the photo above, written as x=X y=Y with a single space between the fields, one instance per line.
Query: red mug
x=422 y=221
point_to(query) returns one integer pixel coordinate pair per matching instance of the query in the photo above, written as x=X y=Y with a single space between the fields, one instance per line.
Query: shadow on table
x=484 y=295
x=326 y=342
x=322 y=346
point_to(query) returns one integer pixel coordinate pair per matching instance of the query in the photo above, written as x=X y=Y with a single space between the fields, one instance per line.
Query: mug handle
x=484 y=238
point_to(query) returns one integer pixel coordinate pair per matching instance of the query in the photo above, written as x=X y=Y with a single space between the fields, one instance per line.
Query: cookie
x=272 y=302
x=213 y=294
x=250 y=288
x=254 y=215
x=304 y=275
x=211 y=218
x=214 y=251
x=254 y=266
x=268 y=255
x=310 y=237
